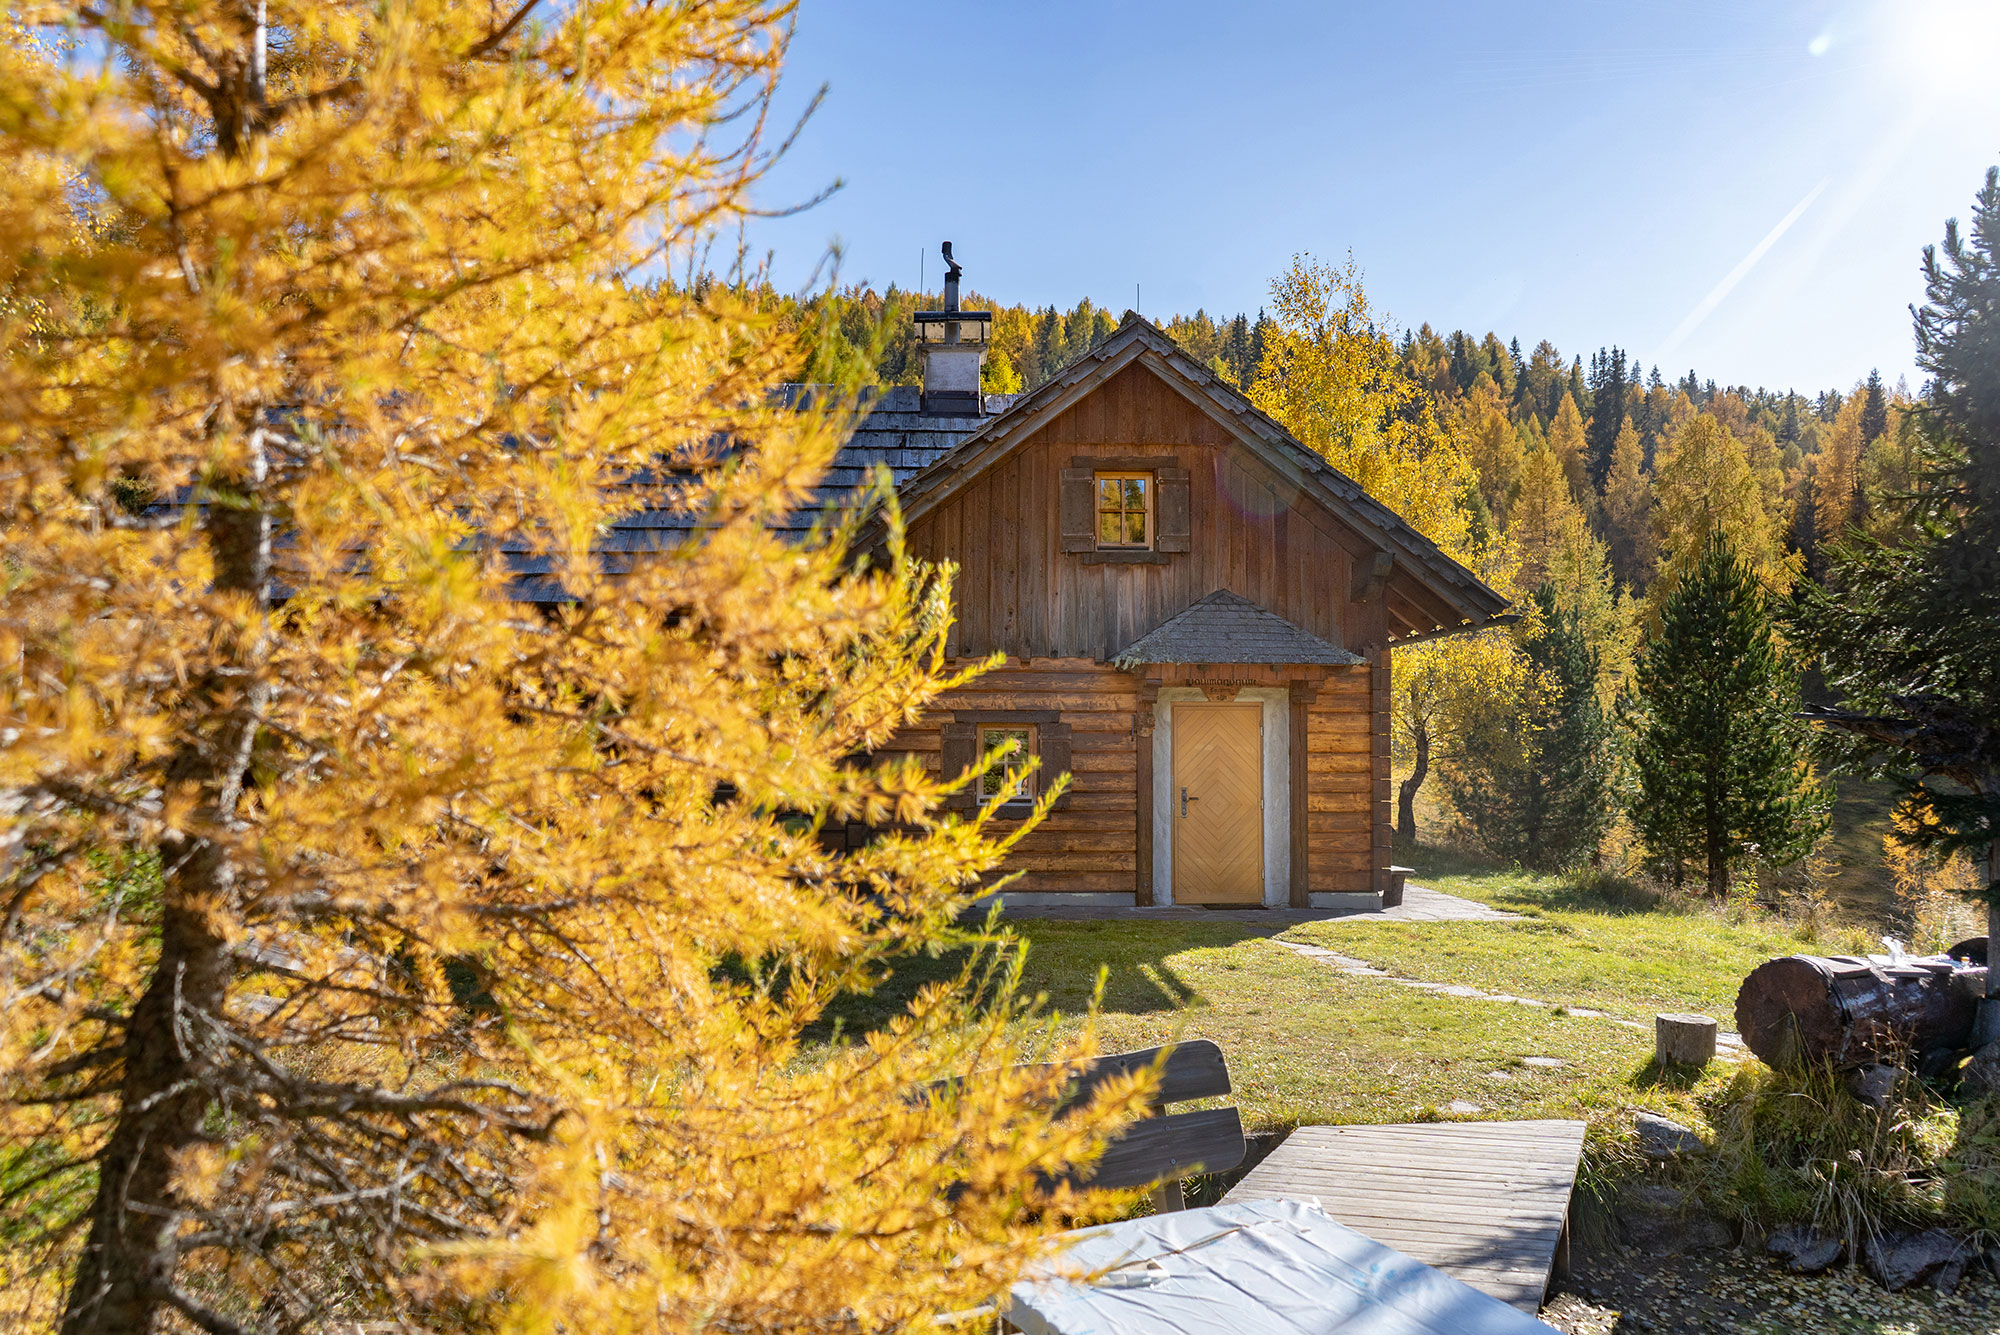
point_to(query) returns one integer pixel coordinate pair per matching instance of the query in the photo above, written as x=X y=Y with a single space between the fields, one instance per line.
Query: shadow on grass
x=1062 y=968
x=1669 y=1075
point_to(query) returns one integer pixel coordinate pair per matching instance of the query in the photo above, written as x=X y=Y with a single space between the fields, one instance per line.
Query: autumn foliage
x=376 y=945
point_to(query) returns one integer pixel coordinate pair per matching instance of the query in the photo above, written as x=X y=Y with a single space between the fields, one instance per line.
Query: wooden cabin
x=1197 y=614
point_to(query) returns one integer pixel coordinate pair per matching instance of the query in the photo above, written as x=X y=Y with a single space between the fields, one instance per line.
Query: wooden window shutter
x=960 y=749
x=1172 y=511
x=1054 y=740
x=1079 y=510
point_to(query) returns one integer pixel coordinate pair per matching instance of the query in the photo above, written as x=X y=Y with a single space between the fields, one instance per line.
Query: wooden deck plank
x=1482 y=1201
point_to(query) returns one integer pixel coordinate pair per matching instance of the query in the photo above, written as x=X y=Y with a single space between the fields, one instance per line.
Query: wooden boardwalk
x=1485 y=1202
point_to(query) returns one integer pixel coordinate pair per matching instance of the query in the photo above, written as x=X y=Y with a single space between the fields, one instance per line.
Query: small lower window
x=993 y=784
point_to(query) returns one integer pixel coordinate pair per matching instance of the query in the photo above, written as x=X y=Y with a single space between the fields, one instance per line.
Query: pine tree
x=1048 y=347
x=1719 y=751
x=1907 y=629
x=1260 y=333
x=1236 y=354
x=1542 y=793
x=1874 y=411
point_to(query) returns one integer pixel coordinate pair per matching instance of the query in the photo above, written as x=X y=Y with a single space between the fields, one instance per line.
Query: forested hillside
x=1815 y=454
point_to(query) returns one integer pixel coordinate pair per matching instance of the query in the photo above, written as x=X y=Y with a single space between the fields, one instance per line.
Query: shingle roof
x=895 y=432
x=1227 y=628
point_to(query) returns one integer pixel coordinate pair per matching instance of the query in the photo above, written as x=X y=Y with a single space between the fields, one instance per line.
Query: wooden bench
x=1164 y=1147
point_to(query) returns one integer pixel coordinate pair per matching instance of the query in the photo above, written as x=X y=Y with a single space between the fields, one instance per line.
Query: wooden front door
x=1218 y=803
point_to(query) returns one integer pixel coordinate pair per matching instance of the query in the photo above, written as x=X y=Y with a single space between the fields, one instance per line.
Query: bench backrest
x=1165 y=1147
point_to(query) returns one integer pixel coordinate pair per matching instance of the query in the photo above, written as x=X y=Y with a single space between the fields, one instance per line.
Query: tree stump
x=1683 y=1040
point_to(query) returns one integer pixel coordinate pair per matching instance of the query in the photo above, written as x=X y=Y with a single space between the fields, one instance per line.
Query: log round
x=1683 y=1040
x=1802 y=1009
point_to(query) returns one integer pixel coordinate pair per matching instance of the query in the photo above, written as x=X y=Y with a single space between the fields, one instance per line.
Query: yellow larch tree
x=1331 y=376
x=1493 y=445
x=1628 y=512
x=1545 y=516
x=1836 y=487
x=1566 y=439
x=1704 y=486
x=378 y=948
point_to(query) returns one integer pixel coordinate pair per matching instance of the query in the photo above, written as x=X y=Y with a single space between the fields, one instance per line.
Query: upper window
x=1124 y=510
x=994 y=782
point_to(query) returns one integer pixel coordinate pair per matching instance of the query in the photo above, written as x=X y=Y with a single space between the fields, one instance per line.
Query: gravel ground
x=1733 y=1294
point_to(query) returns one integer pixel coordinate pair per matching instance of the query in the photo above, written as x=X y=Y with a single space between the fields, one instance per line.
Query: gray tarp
x=1260 y=1268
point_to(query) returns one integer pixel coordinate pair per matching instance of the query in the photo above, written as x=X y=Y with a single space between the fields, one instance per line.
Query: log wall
x=1100 y=841
x=1091 y=844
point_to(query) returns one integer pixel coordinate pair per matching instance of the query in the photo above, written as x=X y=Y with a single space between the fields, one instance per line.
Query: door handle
x=1185 y=799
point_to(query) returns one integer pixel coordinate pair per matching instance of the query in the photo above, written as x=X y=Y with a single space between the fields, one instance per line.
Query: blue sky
x=1741 y=188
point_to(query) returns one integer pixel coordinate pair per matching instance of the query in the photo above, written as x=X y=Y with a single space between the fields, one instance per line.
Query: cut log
x=1802 y=1009
x=1683 y=1040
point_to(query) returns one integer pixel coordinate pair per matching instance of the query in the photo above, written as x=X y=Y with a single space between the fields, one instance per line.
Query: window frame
x=1097 y=511
x=1023 y=801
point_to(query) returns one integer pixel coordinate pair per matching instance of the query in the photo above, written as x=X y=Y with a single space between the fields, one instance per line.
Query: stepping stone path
x=1728 y=1046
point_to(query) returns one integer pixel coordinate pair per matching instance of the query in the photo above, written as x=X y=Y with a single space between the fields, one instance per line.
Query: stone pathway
x=1728 y=1046
x=1419 y=905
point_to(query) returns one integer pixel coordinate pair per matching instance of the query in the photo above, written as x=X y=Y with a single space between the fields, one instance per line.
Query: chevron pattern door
x=1218 y=803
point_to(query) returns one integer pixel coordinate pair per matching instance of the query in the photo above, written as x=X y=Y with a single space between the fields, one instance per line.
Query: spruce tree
x=1542 y=793
x=1236 y=353
x=1607 y=396
x=1259 y=336
x=1719 y=751
x=1874 y=411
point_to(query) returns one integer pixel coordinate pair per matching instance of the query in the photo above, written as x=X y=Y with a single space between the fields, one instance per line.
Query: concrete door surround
x=1277 y=789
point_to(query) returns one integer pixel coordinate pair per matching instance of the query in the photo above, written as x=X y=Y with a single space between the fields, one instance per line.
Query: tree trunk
x=125 y=1272
x=1718 y=843
x=1799 y=1010
x=1406 y=791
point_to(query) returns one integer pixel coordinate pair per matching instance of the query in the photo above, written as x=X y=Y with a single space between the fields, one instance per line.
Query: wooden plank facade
x=1236 y=511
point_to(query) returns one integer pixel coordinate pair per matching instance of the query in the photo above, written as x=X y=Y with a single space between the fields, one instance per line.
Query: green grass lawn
x=1608 y=948
x=1309 y=1044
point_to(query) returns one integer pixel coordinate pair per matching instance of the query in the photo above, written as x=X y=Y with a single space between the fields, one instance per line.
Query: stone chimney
x=954 y=346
